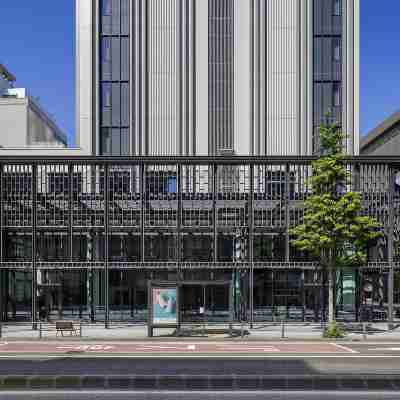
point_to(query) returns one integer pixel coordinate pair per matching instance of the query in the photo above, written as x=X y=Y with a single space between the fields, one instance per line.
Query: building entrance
x=210 y=301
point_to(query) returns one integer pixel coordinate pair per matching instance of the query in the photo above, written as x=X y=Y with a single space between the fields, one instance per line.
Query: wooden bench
x=67 y=326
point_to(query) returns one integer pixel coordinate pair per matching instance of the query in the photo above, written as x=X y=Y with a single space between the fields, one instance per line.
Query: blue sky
x=37 y=43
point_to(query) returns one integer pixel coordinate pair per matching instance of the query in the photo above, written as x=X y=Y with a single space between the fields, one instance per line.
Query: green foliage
x=334 y=331
x=334 y=230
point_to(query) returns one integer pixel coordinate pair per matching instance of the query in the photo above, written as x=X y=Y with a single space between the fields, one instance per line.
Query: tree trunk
x=331 y=298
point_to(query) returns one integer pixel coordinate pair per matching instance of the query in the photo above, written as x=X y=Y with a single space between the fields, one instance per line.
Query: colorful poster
x=165 y=306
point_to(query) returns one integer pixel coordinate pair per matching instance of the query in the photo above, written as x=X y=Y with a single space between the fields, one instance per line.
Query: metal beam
x=191 y=160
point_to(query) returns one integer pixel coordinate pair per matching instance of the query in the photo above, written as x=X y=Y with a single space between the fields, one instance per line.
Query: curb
x=202 y=382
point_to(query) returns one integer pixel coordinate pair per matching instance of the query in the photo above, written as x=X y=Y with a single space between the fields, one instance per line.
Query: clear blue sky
x=37 y=43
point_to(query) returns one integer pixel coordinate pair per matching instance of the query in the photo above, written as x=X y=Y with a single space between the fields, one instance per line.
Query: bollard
x=80 y=328
x=40 y=330
x=1 y=327
x=242 y=330
x=364 y=328
x=282 y=330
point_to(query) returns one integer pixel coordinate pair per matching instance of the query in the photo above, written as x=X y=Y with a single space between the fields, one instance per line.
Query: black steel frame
x=378 y=176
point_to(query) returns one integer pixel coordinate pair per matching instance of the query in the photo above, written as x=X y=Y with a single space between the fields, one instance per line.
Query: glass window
x=125 y=61
x=106 y=94
x=106 y=58
x=106 y=104
x=337 y=95
x=105 y=141
x=116 y=58
x=337 y=49
x=116 y=104
x=125 y=104
x=125 y=9
x=337 y=7
x=116 y=142
x=125 y=143
x=106 y=7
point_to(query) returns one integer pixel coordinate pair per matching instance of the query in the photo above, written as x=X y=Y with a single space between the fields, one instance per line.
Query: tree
x=333 y=229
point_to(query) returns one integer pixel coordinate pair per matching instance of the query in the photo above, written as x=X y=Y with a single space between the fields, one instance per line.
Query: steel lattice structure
x=107 y=216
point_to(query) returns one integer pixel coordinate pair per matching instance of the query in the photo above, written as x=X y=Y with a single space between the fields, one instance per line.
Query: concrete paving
x=265 y=331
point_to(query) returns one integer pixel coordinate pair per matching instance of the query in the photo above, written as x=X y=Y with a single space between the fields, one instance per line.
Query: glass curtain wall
x=115 y=77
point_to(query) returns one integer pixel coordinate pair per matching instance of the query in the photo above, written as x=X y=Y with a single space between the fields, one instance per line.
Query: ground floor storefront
x=248 y=294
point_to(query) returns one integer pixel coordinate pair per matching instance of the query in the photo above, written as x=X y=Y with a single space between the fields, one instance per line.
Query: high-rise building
x=198 y=77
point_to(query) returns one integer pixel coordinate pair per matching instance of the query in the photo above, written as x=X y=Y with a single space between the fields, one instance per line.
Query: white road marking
x=248 y=348
x=4 y=344
x=191 y=347
x=24 y=356
x=344 y=348
x=386 y=349
x=161 y=348
x=87 y=347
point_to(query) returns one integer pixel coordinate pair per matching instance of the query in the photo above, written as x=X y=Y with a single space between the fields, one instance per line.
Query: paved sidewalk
x=260 y=331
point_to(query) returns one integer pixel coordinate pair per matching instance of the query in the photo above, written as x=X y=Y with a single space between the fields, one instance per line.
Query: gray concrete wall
x=387 y=144
x=13 y=122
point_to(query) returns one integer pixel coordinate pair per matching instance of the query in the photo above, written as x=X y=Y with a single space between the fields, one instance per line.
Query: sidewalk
x=260 y=332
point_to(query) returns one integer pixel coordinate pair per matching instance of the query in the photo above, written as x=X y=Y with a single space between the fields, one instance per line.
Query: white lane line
x=96 y=347
x=386 y=349
x=249 y=348
x=162 y=348
x=25 y=356
x=4 y=344
x=348 y=350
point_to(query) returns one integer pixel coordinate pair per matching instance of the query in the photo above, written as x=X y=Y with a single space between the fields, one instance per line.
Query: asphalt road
x=170 y=367
x=198 y=396
x=193 y=349
x=265 y=366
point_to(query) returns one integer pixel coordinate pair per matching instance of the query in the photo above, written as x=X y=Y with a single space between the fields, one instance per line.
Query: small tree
x=333 y=229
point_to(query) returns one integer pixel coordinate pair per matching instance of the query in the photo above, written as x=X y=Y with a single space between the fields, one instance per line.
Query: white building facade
x=205 y=77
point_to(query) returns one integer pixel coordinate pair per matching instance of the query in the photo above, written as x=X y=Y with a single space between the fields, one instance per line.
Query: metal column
x=179 y=220
x=34 y=244
x=390 y=241
x=106 y=246
x=70 y=207
x=250 y=217
x=215 y=237
x=2 y=294
x=287 y=214
x=142 y=189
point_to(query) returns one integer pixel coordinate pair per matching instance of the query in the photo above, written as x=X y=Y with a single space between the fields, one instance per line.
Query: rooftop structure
x=24 y=122
x=384 y=139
